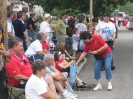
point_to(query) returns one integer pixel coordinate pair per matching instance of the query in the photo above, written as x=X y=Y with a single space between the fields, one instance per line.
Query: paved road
x=122 y=76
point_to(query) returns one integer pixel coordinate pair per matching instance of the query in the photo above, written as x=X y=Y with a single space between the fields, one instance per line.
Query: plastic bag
x=73 y=70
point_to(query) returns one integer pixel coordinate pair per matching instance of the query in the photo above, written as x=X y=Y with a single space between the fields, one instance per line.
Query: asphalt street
x=122 y=76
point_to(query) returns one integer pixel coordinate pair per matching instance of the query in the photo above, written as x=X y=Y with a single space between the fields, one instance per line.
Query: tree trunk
x=3 y=23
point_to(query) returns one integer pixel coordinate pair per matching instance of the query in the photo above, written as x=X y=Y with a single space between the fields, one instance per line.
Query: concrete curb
x=81 y=65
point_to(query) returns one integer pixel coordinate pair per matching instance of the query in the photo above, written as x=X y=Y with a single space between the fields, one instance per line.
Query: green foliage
x=78 y=6
x=128 y=8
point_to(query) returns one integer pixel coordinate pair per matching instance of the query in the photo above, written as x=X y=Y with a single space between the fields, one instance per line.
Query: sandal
x=82 y=86
x=84 y=83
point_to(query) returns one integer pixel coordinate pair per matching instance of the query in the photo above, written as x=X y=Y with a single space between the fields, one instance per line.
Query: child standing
x=75 y=40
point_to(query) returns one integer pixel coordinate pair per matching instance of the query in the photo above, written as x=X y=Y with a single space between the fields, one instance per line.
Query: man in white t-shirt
x=36 y=87
x=10 y=28
x=107 y=31
x=45 y=26
x=35 y=50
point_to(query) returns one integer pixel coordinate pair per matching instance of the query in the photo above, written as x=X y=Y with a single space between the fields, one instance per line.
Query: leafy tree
x=78 y=6
x=128 y=8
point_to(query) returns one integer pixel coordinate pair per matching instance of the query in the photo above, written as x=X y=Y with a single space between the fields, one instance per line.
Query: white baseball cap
x=47 y=15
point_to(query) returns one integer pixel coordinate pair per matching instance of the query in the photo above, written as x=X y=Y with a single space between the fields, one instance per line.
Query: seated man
x=57 y=77
x=18 y=68
x=36 y=87
x=35 y=50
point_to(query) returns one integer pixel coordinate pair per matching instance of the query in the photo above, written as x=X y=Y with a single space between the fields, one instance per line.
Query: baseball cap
x=106 y=14
x=47 y=15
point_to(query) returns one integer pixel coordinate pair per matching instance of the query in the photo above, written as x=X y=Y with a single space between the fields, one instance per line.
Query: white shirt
x=35 y=87
x=10 y=27
x=34 y=48
x=44 y=26
x=102 y=27
x=81 y=27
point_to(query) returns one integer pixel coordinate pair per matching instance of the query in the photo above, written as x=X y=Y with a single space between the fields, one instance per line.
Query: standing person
x=36 y=87
x=119 y=21
x=102 y=52
x=25 y=10
x=45 y=26
x=31 y=26
x=75 y=40
x=20 y=30
x=10 y=28
x=102 y=29
x=81 y=27
x=61 y=28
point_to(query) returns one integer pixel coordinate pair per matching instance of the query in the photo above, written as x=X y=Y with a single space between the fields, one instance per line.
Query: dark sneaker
x=113 y=68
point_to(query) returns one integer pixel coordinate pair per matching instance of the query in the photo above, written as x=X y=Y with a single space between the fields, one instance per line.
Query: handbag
x=73 y=70
x=98 y=57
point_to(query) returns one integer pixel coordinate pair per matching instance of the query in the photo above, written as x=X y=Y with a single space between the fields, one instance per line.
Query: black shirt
x=19 y=28
x=30 y=21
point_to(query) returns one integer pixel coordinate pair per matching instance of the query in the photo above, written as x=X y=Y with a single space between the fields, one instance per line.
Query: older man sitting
x=57 y=77
x=35 y=50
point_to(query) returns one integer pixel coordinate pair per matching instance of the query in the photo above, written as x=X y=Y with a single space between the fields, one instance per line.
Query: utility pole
x=3 y=20
x=3 y=24
x=91 y=10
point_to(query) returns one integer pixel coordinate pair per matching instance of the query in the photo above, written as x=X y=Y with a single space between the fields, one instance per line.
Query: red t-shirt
x=16 y=66
x=96 y=43
x=45 y=45
x=56 y=64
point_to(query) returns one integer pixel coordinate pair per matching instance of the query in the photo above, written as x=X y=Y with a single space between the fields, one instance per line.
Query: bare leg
x=50 y=82
x=78 y=81
x=58 y=86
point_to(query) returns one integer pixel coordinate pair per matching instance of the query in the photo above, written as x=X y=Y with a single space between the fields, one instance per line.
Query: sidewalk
x=81 y=65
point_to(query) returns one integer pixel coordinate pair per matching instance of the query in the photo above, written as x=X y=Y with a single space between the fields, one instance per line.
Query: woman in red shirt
x=102 y=52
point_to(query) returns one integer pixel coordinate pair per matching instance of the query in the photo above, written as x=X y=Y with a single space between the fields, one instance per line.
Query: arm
x=100 y=49
x=11 y=35
x=65 y=65
x=81 y=57
x=41 y=53
x=76 y=38
x=58 y=76
x=19 y=77
x=26 y=35
x=49 y=94
x=95 y=32
x=114 y=36
x=31 y=28
x=58 y=27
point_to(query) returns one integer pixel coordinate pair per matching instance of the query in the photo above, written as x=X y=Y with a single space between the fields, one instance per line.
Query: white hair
x=47 y=57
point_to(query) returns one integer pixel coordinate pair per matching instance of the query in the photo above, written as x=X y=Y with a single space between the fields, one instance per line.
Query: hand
x=30 y=39
x=52 y=31
x=72 y=57
x=76 y=64
x=72 y=61
x=95 y=52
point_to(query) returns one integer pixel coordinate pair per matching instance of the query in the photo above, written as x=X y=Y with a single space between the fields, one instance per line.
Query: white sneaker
x=109 y=86
x=98 y=87
x=68 y=96
x=73 y=94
